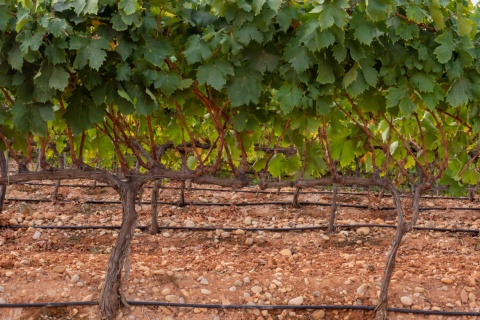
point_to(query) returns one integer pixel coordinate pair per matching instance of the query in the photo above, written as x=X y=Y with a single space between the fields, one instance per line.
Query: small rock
x=286 y=252
x=75 y=278
x=206 y=291
x=249 y=241
x=88 y=298
x=13 y=222
x=232 y=289
x=166 y=292
x=2 y=289
x=59 y=269
x=239 y=232
x=472 y=297
x=247 y=221
x=446 y=280
x=430 y=204
x=190 y=224
x=429 y=224
x=464 y=296
x=171 y=298
x=419 y=289
x=363 y=231
x=406 y=301
x=256 y=289
x=9 y=274
x=296 y=301
x=362 y=289
x=2 y=301
x=320 y=314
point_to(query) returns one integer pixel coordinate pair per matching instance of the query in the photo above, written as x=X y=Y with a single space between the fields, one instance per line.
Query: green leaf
x=257 y=5
x=5 y=16
x=465 y=26
x=30 y=41
x=91 y=7
x=144 y=104
x=407 y=106
x=239 y=121
x=288 y=98
x=128 y=6
x=416 y=13
x=445 y=50
x=276 y=164
x=460 y=92
x=125 y=47
x=262 y=59
x=78 y=6
x=196 y=49
x=393 y=147
x=332 y=13
x=91 y=51
x=58 y=27
x=55 y=51
x=15 y=57
x=423 y=82
x=157 y=51
x=437 y=15
x=325 y=72
x=339 y=52
x=58 y=78
x=32 y=117
x=395 y=95
x=248 y=33
x=168 y=83
x=325 y=38
x=215 y=74
x=275 y=4
x=298 y=57
x=244 y=87
x=378 y=10
x=292 y=165
x=370 y=74
x=348 y=153
x=350 y=76
x=23 y=16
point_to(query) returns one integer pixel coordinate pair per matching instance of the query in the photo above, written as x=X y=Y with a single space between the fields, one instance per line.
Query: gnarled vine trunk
x=111 y=298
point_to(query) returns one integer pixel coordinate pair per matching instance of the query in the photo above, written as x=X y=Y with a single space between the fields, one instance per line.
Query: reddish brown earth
x=438 y=271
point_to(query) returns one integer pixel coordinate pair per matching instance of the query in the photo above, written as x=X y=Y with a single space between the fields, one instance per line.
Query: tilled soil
x=434 y=271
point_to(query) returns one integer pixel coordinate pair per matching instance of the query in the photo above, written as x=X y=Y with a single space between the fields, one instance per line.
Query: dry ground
x=438 y=271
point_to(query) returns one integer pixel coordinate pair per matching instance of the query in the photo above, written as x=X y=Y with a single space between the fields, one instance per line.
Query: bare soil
x=437 y=270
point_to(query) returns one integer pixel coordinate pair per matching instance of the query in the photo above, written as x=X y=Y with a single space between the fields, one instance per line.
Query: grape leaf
x=460 y=92
x=275 y=4
x=378 y=10
x=423 y=82
x=416 y=13
x=325 y=72
x=262 y=59
x=91 y=51
x=407 y=106
x=5 y=16
x=244 y=87
x=288 y=98
x=15 y=57
x=58 y=78
x=55 y=51
x=215 y=74
x=59 y=27
x=196 y=49
x=325 y=38
x=168 y=83
x=128 y=6
x=298 y=57
x=445 y=50
x=257 y=5
x=276 y=164
x=395 y=94
x=348 y=153
x=157 y=51
x=351 y=75
x=248 y=33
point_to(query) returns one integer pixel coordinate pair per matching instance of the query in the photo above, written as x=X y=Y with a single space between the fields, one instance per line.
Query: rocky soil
x=435 y=270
